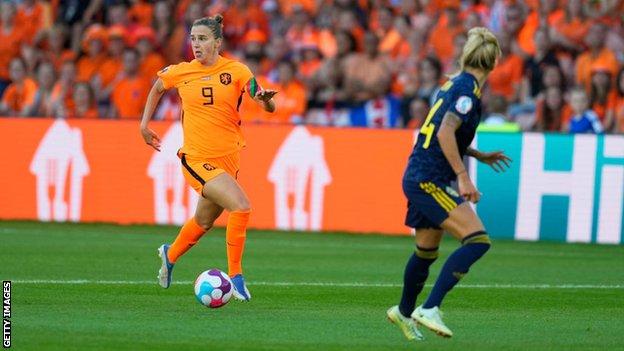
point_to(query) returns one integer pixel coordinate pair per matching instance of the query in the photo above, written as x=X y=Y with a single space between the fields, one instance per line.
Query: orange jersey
x=17 y=97
x=211 y=99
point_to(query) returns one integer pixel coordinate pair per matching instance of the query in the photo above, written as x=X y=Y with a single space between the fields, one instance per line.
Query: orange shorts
x=198 y=171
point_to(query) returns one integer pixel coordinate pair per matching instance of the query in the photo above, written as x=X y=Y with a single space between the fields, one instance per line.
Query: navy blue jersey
x=461 y=96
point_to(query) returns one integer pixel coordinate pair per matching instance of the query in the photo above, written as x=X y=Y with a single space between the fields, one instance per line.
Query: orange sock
x=235 y=235
x=189 y=234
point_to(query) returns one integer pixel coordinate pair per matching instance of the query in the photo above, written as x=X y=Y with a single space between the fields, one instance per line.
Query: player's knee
x=205 y=223
x=241 y=205
x=481 y=238
x=429 y=254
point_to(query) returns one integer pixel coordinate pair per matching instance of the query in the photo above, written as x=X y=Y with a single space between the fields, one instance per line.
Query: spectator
x=534 y=66
x=551 y=111
x=597 y=54
x=506 y=78
x=76 y=14
x=291 y=98
x=62 y=94
x=570 y=30
x=20 y=93
x=11 y=35
x=178 y=48
x=163 y=22
x=110 y=70
x=583 y=119
x=418 y=111
x=34 y=17
x=602 y=97
x=151 y=61
x=43 y=97
x=443 y=33
x=94 y=44
x=84 y=103
x=367 y=75
x=430 y=73
x=55 y=45
x=130 y=92
x=141 y=12
x=302 y=31
x=328 y=82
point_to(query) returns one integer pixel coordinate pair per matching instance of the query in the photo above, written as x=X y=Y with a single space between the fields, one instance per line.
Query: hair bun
x=218 y=18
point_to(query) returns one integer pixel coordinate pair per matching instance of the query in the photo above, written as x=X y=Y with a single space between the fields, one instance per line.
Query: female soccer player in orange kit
x=211 y=88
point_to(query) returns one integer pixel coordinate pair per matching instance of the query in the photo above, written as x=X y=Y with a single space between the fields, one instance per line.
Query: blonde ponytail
x=481 y=50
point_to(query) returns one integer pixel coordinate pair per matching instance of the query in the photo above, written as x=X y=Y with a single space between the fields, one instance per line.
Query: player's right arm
x=448 y=144
x=150 y=137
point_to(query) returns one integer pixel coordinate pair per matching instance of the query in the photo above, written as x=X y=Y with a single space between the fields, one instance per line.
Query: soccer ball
x=213 y=288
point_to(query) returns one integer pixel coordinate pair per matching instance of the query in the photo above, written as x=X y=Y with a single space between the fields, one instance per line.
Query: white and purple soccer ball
x=213 y=288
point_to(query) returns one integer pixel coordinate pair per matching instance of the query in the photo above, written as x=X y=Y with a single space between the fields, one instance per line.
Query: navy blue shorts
x=429 y=203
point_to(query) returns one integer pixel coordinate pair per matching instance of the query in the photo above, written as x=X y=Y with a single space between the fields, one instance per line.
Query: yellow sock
x=189 y=235
x=235 y=235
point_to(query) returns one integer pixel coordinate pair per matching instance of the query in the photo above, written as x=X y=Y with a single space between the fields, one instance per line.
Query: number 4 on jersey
x=428 y=128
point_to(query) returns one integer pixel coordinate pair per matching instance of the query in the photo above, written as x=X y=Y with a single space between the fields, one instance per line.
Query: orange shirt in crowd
x=441 y=40
x=18 y=96
x=68 y=99
x=586 y=60
x=109 y=70
x=308 y=68
x=87 y=67
x=290 y=101
x=287 y=6
x=129 y=96
x=392 y=43
x=237 y=21
x=141 y=12
x=32 y=20
x=505 y=75
x=58 y=60
x=574 y=30
x=9 y=48
x=609 y=105
x=210 y=104
x=151 y=64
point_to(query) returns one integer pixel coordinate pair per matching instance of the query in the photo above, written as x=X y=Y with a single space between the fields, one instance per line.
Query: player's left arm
x=262 y=96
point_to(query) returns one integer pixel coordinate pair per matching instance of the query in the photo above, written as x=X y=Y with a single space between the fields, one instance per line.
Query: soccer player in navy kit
x=433 y=206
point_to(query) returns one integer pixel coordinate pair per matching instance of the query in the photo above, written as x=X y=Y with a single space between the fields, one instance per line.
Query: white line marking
x=327 y=284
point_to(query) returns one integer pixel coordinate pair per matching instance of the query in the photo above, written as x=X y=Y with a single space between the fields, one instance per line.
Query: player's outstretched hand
x=495 y=159
x=151 y=138
x=265 y=95
x=467 y=189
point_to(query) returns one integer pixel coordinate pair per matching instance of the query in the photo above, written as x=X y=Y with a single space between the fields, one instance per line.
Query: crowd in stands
x=374 y=63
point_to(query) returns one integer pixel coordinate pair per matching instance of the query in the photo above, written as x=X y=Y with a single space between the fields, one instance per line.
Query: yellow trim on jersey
x=439 y=196
x=476 y=90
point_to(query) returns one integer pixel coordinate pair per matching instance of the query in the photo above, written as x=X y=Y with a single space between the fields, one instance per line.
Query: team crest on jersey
x=451 y=191
x=225 y=78
x=209 y=167
x=463 y=104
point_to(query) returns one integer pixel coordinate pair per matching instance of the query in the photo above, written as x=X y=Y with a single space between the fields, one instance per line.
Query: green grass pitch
x=93 y=287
